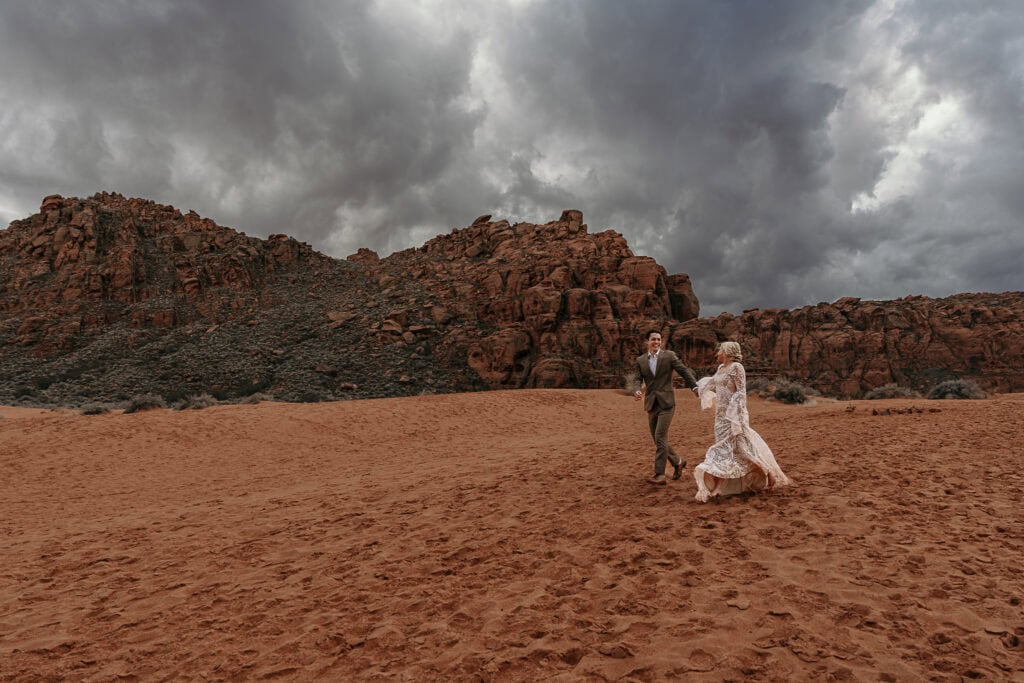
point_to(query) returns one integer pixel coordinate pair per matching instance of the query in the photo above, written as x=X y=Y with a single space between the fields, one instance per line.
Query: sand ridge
x=508 y=536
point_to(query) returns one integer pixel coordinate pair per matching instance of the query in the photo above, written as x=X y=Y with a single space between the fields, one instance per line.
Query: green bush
x=94 y=409
x=891 y=390
x=141 y=402
x=956 y=388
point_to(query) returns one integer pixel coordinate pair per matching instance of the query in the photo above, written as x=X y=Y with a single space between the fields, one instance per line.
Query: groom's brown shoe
x=658 y=479
x=677 y=470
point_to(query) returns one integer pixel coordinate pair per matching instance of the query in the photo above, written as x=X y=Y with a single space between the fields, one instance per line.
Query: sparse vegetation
x=94 y=409
x=256 y=398
x=789 y=392
x=891 y=390
x=142 y=402
x=196 y=402
x=631 y=382
x=780 y=389
x=956 y=388
x=759 y=386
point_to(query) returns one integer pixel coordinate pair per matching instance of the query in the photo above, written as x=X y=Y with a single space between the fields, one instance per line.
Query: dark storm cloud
x=269 y=116
x=781 y=153
x=707 y=134
x=786 y=153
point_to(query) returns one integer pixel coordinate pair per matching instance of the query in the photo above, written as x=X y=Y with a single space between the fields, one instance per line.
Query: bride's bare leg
x=707 y=484
x=712 y=483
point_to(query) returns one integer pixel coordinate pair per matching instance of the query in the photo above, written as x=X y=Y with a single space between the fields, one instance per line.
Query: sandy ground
x=508 y=536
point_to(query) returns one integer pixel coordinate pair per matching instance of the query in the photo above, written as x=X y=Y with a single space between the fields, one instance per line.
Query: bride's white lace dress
x=739 y=460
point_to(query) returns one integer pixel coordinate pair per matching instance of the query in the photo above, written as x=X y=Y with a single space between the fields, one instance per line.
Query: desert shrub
x=141 y=402
x=780 y=389
x=94 y=409
x=175 y=395
x=789 y=392
x=245 y=387
x=956 y=388
x=631 y=382
x=891 y=390
x=196 y=402
x=759 y=385
x=71 y=374
x=310 y=397
x=256 y=398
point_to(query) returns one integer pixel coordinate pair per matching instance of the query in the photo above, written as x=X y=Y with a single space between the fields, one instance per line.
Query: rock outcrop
x=105 y=297
x=542 y=305
x=850 y=346
x=80 y=265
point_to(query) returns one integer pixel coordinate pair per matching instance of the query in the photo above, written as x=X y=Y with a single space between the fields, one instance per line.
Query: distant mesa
x=108 y=296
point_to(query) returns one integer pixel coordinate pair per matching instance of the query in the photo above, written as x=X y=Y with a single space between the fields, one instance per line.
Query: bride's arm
x=736 y=410
x=739 y=379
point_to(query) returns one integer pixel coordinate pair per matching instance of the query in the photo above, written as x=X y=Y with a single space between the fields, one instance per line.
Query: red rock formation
x=80 y=263
x=543 y=305
x=490 y=305
x=851 y=346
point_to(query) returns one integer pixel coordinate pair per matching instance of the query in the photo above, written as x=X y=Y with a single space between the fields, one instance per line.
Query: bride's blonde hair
x=732 y=350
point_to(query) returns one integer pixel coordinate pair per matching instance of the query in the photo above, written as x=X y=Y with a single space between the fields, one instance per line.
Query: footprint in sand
x=697 y=660
x=1012 y=641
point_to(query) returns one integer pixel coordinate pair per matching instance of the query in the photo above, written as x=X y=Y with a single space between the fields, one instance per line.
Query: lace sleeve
x=706 y=392
x=736 y=412
x=739 y=377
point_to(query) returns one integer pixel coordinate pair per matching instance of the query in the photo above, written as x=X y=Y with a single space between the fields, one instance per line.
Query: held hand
x=638 y=395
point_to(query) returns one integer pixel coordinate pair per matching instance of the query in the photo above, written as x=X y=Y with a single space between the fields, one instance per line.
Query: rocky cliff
x=541 y=305
x=105 y=297
x=79 y=266
x=850 y=346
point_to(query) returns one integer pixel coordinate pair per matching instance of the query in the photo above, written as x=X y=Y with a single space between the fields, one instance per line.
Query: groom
x=655 y=369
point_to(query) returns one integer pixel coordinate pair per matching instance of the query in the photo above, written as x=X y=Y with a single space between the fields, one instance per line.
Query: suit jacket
x=659 y=385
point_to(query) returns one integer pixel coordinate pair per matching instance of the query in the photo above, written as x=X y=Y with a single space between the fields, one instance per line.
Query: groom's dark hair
x=647 y=336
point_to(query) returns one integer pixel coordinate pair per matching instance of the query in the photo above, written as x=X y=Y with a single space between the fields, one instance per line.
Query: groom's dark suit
x=660 y=403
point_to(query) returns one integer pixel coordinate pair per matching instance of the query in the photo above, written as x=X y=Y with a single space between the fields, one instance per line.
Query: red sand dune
x=508 y=536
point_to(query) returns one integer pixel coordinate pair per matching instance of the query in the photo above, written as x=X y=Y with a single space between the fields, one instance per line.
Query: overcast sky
x=781 y=153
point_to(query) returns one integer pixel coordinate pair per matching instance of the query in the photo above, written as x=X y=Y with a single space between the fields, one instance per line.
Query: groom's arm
x=684 y=372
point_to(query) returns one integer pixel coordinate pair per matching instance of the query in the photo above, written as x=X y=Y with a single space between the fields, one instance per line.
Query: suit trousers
x=659 y=420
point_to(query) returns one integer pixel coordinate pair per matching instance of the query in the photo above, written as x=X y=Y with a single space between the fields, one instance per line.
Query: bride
x=739 y=460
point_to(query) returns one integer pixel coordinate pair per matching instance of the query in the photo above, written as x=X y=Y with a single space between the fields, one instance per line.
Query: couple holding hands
x=739 y=460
